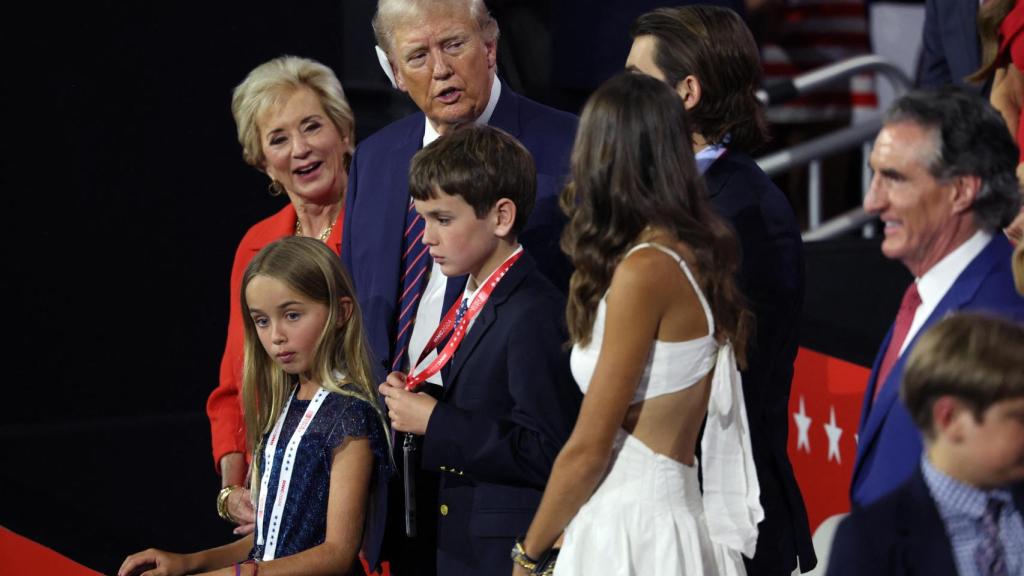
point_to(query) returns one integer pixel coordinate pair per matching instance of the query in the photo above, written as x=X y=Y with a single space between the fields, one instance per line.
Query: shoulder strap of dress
x=657 y=246
x=689 y=276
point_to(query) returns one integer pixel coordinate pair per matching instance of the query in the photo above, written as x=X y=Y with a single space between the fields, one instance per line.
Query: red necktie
x=904 y=318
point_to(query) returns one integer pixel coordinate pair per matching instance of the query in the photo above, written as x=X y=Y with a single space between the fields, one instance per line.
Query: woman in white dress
x=655 y=318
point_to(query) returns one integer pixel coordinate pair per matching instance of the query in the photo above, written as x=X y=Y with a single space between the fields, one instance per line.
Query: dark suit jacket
x=901 y=534
x=772 y=278
x=378 y=198
x=375 y=207
x=889 y=447
x=950 y=48
x=507 y=407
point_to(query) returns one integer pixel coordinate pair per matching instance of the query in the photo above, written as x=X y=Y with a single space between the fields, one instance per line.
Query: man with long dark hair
x=708 y=55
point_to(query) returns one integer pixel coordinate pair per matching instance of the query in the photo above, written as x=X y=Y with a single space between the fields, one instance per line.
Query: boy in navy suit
x=508 y=401
x=960 y=513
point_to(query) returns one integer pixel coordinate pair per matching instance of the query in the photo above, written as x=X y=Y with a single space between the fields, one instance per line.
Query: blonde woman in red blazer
x=295 y=125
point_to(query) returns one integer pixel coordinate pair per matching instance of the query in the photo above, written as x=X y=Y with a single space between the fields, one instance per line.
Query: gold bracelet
x=520 y=557
x=222 y=502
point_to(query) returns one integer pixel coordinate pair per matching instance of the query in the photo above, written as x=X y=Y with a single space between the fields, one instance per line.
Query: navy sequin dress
x=304 y=518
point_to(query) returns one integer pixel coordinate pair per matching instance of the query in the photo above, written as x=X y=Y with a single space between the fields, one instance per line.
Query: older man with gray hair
x=442 y=53
x=943 y=186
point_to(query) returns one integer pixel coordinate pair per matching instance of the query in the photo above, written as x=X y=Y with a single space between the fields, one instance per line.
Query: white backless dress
x=648 y=517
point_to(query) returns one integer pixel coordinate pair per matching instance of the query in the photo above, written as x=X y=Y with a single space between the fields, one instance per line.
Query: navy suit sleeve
x=852 y=553
x=518 y=447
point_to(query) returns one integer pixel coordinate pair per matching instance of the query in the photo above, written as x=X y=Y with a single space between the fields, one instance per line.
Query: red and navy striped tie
x=414 y=275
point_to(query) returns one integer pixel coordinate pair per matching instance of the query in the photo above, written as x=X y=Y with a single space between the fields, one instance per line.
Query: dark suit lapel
x=515 y=275
x=453 y=291
x=959 y=295
x=1018 y=496
x=397 y=177
x=866 y=436
x=967 y=284
x=483 y=322
x=381 y=237
x=923 y=533
x=889 y=394
x=376 y=249
x=715 y=178
x=506 y=112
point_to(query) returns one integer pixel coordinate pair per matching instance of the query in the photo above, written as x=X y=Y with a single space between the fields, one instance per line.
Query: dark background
x=124 y=197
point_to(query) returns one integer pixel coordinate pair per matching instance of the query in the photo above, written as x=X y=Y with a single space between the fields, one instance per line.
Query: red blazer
x=224 y=407
x=1011 y=48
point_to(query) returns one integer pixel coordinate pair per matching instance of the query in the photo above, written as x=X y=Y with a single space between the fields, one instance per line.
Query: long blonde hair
x=342 y=361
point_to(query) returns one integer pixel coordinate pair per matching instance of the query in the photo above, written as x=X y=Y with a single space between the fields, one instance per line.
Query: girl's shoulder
x=349 y=404
x=352 y=416
x=652 y=267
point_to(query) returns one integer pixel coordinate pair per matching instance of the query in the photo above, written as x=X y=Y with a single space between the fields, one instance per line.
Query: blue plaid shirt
x=962 y=507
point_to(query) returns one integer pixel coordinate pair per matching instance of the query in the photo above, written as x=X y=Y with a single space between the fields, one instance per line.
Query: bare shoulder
x=647 y=273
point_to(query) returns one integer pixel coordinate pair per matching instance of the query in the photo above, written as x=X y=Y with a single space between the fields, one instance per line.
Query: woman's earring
x=275 y=188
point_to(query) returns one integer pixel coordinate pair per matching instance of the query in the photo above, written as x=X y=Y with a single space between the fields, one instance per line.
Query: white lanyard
x=287 y=466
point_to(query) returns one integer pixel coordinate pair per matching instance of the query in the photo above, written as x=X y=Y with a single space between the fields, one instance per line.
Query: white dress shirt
x=934 y=284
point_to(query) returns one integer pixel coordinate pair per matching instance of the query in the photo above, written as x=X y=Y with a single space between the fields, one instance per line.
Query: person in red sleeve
x=295 y=125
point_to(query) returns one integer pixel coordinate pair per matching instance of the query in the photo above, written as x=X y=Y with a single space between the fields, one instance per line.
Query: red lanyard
x=448 y=324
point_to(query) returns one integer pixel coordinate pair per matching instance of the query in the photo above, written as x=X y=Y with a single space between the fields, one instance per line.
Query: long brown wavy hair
x=633 y=167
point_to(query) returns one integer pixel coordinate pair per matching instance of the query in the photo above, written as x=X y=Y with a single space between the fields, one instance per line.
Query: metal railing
x=811 y=152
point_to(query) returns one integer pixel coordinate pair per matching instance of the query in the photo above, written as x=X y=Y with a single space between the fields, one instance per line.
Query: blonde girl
x=321 y=456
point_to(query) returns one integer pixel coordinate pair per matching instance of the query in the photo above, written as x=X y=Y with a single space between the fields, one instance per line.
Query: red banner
x=19 y=555
x=825 y=404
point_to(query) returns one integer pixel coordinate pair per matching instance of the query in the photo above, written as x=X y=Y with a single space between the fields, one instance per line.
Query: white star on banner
x=834 y=434
x=803 y=424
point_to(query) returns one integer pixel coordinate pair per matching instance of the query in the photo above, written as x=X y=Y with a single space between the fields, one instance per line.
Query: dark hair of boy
x=481 y=164
x=976 y=358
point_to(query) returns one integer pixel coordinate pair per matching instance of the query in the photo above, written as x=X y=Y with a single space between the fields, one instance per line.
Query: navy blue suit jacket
x=772 y=278
x=901 y=534
x=378 y=198
x=507 y=407
x=950 y=47
x=889 y=446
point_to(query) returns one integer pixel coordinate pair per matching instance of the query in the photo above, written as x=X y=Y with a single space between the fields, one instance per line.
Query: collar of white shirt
x=934 y=284
x=470 y=293
x=472 y=287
